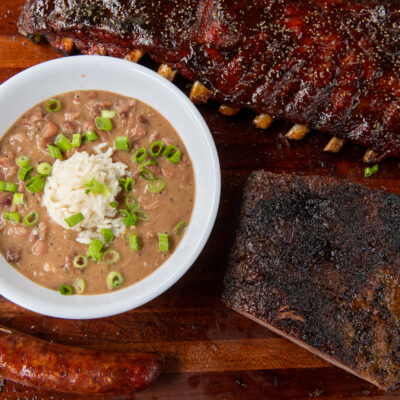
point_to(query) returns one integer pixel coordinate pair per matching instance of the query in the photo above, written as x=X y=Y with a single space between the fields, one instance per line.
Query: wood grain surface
x=211 y=352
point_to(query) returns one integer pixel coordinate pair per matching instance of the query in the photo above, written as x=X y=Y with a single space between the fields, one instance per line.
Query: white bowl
x=38 y=83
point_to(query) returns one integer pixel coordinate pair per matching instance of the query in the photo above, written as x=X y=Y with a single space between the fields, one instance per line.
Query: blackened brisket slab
x=318 y=261
x=333 y=65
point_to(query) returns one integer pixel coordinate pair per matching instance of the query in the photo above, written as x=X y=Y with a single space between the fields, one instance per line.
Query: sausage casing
x=55 y=367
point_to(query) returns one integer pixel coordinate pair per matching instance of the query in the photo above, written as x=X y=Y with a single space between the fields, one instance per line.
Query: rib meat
x=332 y=65
x=317 y=260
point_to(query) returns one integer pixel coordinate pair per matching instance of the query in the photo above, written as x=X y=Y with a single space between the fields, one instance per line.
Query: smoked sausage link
x=55 y=367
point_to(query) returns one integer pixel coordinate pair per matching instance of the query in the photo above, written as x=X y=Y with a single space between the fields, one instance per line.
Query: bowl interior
x=34 y=85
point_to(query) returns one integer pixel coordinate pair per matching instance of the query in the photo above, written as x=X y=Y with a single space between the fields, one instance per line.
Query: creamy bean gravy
x=44 y=253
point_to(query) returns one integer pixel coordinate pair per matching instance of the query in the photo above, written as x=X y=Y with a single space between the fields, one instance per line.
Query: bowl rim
x=76 y=309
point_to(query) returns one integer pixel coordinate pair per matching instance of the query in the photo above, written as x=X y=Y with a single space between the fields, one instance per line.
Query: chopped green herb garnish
x=35 y=184
x=140 y=155
x=133 y=242
x=66 y=290
x=54 y=152
x=22 y=161
x=76 y=140
x=79 y=285
x=369 y=171
x=129 y=218
x=163 y=242
x=74 y=219
x=172 y=154
x=122 y=143
x=180 y=227
x=24 y=172
x=12 y=217
x=63 y=143
x=110 y=257
x=104 y=124
x=53 y=105
x=114 y=280
x=18 y=199
x=44 y=169
x=80 y=261
x=107 y=235
x=94 y=250
x=90 y=136
x=156 y=148
x=31 y=219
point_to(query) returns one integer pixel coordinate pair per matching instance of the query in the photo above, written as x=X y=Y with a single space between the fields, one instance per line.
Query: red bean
x=50 y=130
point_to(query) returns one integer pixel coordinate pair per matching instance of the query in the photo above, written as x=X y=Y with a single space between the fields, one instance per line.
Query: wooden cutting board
x=211 y=351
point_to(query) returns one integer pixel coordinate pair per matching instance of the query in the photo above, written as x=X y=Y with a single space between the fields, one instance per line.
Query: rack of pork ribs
x=328 y=65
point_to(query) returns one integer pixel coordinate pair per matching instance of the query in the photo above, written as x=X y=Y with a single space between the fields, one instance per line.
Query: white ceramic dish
x=34 y=85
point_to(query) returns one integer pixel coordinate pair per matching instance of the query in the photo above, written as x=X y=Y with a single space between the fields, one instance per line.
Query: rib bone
x=199 y=93
x=369 y=156
x=297 y=132
x=263 y=121
x=134 y=55
x=167 y=72
x=228 y=111
x=334 y=145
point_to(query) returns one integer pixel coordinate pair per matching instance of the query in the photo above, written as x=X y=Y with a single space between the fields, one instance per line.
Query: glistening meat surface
x=51 y=366
x=330 y=64
x=318 y=261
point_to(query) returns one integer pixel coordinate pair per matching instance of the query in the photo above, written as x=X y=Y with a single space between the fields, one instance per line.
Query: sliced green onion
x=129 y=218
x=54 y=152
x=133 y=242
x=62 y=142
x=80 y=261
x=141 y=215
x=12 y=217
x=132 y=203
x=22 y=161
x=53 y=105
x=90 y=136
x=94 y=250
x=156 y=186
x=140 y=155
x=146 y=163
x=156 y=148
x=23 y=173
x=18 y=199
x=180 y=227
x=127 y=183
x=114 y=280
x=31 y=219
x=147 y=174
x=163 y=242
x=103 y=124
x=369 y=171
x=96 y=187
x=122 y=143
x=44 y=169
x=3 y=186
x=11 y=187
x=110 y=257
x=74 y=219
x=108 y=113
x=76 y=140
x=35 y=184
x=65 y=290
x=107 y=235
x=172 y=154
x=114 y=204
x=79 y=285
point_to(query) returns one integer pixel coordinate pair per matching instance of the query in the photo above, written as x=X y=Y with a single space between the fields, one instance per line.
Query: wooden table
x=211 y=352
